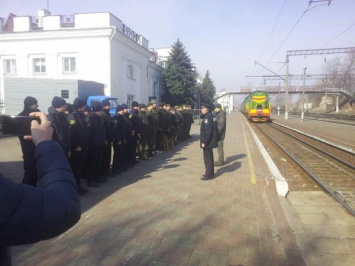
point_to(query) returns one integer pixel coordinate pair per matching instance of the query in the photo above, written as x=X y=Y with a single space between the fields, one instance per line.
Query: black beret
x=87 y=108
x=106 y=103
x=96 y=106
x=142 y=105
x=58 y=102
x=78 y=103
x=29 y=101
x=135 y=104
x=119 y=108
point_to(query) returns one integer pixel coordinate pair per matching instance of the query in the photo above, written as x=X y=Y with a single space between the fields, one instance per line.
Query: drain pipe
x=114 y=31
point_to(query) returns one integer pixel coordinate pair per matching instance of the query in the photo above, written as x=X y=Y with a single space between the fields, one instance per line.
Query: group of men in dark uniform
x=99 y=145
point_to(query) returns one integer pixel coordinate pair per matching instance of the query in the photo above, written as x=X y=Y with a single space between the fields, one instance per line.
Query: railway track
x=330 y=167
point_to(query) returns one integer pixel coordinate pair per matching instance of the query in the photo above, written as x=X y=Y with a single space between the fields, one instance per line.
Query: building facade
x=94 y=46
x=226 y=100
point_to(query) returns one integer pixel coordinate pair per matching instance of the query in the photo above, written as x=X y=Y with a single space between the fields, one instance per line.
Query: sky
x=226 y=37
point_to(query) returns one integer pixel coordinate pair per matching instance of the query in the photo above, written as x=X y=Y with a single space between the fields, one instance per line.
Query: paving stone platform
x=161 y=213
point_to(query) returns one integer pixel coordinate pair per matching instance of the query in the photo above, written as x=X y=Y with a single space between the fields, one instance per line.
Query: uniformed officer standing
x=137 y=128
x=28 y=147
x=59 y=122
x=96 y=147
x=208 y=139
x=151 y=128
x=144 y=133
x=181 y=128
x=221 y=124
x=119 y=140
x=161 y=135
x=169 y=130
x=155 y=125
x=128 y=159
x=79 y=141
x=106 y=106
x=176 y=124
x=190 y=120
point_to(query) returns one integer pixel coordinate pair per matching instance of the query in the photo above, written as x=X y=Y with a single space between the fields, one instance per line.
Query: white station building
x=93 y=46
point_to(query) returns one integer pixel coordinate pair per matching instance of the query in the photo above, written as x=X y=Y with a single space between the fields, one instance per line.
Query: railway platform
x=161 y=213
x=338 y=134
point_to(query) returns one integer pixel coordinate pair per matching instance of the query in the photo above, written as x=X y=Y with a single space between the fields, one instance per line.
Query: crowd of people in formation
x=99 y=145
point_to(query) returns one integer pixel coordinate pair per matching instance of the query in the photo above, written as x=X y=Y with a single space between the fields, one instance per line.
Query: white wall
x=102 y=54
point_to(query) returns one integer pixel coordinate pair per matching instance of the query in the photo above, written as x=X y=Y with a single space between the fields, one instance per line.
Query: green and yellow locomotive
x=256 y=107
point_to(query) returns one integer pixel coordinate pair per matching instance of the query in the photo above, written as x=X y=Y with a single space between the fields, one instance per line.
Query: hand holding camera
x=40 y=131
x=35 y=126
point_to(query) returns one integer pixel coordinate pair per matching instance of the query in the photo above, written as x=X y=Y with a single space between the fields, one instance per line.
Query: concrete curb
x=280 y=181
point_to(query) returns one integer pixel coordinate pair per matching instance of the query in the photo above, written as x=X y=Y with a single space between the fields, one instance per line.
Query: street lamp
x=151 y=60
x=199 y=87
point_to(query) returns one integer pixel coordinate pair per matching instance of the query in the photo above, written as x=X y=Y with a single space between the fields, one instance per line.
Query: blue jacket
x=29 y=214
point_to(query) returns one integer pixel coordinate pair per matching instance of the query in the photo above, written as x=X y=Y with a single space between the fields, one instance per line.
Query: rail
x=331 y=168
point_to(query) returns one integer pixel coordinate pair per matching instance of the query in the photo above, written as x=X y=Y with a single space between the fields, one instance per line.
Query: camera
x=17 y=125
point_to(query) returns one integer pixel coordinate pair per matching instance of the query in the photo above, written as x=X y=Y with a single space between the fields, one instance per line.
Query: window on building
x=130 y=72
x=10 y=66
x=130 y=99
x=39 y=65
x=64 y=94
x=69 y=64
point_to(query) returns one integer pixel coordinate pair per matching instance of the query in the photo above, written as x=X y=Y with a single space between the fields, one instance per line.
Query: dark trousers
x=209 y=165
x=142 y=144
x=133 y=149
x=30 y=167
x=95 y=168
x=106 y=160
x=77 y=162
x=118 y=155
x=150 y=142
x=220 y=152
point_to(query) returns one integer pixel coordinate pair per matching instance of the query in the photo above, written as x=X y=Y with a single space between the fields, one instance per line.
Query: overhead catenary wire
x=336 y=37
x=273 y=28
x=288 y=35
x=271 y=33
x=308 y=9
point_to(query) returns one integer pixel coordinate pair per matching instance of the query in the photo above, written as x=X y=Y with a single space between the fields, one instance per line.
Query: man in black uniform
x=106 y=160
x=129 y=138
x=151 y=129
x=59 y=122
x=142 y=143
x=96 y=147
x=79 y=141
x=119 y=140
x=28 y=147
x=208 y=139
x=136 y=128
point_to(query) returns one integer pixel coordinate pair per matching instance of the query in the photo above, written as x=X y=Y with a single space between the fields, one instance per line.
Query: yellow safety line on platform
x=251 y=165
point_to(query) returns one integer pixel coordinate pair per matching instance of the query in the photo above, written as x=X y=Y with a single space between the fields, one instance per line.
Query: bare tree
x=342 y=73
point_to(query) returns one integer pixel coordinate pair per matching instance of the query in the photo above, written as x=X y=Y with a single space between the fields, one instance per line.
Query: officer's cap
x=206 y=105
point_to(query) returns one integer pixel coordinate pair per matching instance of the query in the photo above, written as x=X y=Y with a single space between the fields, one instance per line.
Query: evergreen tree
x=208 y=90
x=179 y=77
